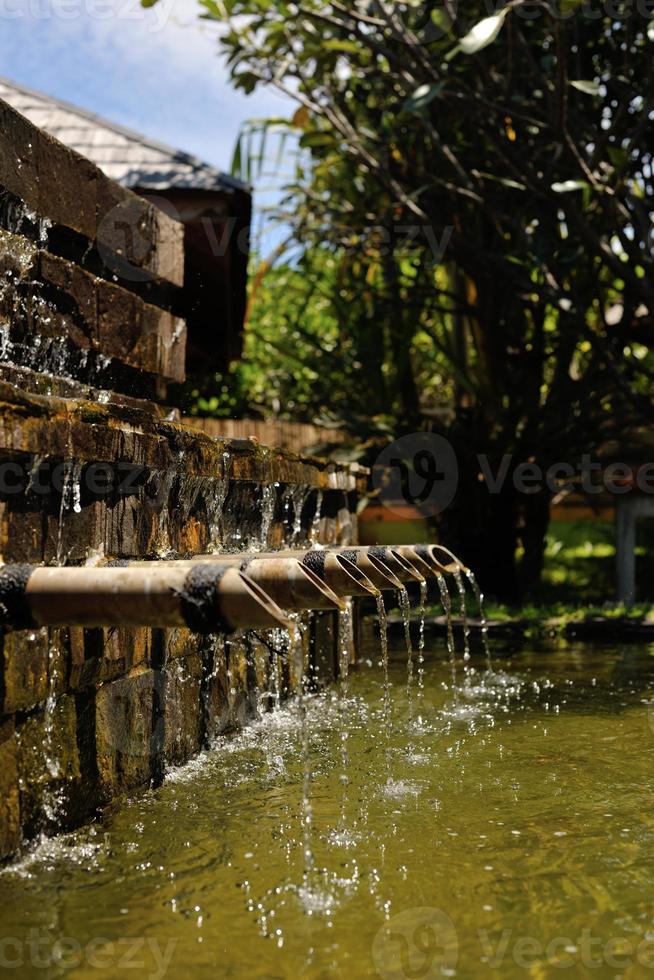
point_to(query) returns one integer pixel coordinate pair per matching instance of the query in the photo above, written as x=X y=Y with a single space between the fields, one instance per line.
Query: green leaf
x=566 y=186
x=422 y=96
x=483 y=33
x=350 y=47
x=588 y=88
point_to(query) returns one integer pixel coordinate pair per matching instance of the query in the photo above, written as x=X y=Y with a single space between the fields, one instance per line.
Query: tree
x=522 y=140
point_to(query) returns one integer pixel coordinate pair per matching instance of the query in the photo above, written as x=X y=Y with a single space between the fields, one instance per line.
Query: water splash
x=479 y=596
x=215 y=494
x=53 y=794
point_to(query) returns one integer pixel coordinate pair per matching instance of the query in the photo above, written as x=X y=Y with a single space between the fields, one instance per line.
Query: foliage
x=521 y=143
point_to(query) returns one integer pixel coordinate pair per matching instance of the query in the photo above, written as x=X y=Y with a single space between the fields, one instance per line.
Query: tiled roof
x=125 y=156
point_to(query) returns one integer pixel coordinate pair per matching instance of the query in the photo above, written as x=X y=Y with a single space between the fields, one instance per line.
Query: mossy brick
x=215 y=688
x=9 y=795
x=63 y=186
x=34 y=664
x=129 y=730
x=98 y=655
x=26 y=532
x=40 y=424
x=182 y=709
x=180 y=643
x=169 y=235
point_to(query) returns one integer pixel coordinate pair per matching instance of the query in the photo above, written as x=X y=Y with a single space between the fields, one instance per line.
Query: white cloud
x=154 y=70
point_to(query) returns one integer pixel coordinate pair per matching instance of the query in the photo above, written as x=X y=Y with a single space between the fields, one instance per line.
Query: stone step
x=136 y=240
x=44 y=296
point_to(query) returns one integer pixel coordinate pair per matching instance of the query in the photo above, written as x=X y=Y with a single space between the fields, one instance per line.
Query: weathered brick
x=129 y=730
x=34 y=666
x=62 y=185
x=101 y=655
x=47 y=760
x=215 y=689
x=9 y=797
x=183 y=709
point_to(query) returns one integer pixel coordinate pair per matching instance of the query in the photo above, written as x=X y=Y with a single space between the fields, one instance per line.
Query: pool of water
x=502 y=827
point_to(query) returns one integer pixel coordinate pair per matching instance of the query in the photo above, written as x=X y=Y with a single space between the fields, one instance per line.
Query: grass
x=578 y=581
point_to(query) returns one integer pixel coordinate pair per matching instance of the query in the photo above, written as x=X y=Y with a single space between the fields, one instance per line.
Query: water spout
x=381 y=576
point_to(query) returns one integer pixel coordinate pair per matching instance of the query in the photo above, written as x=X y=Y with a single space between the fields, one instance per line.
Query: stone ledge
x=61 y=185
x=45 y=296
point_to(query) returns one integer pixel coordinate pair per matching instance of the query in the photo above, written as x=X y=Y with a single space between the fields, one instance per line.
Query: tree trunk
x=481 y=528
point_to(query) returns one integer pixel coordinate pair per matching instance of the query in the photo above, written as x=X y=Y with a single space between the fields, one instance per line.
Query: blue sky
x=155 y=70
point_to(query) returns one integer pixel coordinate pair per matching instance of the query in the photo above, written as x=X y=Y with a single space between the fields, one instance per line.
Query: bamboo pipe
x=377 y=571
x=402 y=568
x=342 y=575
x=445 y=560
x=334 y=571
x=284 y=579
x=329 y=565
x=397 y=566
x=409 y=553
x=206 y=598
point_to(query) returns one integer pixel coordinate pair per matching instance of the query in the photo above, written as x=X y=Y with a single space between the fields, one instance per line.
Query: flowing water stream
x=519 y=840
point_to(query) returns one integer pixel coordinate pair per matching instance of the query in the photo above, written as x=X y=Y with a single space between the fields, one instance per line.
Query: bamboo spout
x=283 y=578
x=398 y=564
x=376 y=570
x=206 y=598
x=291 y=584
x=337 y=576
x=340 y=574
x=410 y=554
x=445 y=559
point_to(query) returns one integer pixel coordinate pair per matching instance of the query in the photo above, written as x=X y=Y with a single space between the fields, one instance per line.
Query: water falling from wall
x=268 y=500
x=314 y=534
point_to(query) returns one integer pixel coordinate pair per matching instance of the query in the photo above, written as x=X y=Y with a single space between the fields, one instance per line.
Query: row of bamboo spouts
x=211 y=593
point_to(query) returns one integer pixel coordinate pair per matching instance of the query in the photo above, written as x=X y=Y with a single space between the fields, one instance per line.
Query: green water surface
x=509 y=835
